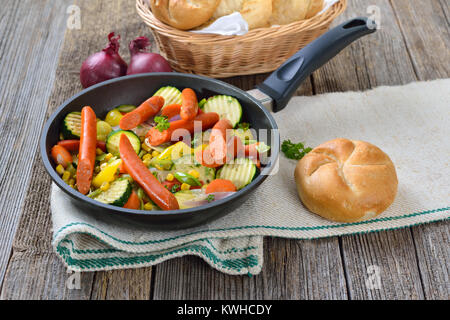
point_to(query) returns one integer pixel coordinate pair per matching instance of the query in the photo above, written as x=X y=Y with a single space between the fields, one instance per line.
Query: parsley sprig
x=210 y=198
x=294 y=150
x=162 y=123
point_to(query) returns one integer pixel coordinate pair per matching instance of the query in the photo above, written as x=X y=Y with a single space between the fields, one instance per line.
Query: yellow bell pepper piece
x=107 y=174
x=194 y=173
x=175 y=151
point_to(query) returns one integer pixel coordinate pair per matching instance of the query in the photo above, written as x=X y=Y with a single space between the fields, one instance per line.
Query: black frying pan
x=273 y=94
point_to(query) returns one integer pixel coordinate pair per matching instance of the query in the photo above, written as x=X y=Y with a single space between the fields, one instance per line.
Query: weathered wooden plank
x=378 y=59
x=30 y=35
x=292 y=270
x=433 y=252
x=41 y=275
x=425 y=26
x=33 y=237
x=129 y=284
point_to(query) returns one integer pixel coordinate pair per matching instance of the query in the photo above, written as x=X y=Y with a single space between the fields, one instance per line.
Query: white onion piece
x=142 y=129
x=175 y=118
x=202 y=202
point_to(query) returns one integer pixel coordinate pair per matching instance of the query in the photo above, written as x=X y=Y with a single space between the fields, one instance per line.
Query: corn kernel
x=185 y=186
x=104 y=186
x=155 y=153
x=148 y=206
x=66 y=176
x=170 y=177
x=145 y=147
x=60 y=169
x=108 y=157
x=98 y=151
x=147 y=156
x=147 y=162
x=157 y=166
x=103 y=165
x=71 y=181
x=194 y=173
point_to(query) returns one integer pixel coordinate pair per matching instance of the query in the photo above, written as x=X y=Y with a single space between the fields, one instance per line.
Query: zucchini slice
x=227 y=107
x=244 y=135
x=126 y=108
x=112 y=141
x=241 y=172
x=170 y=94
x=117 y=194
x=71 y=128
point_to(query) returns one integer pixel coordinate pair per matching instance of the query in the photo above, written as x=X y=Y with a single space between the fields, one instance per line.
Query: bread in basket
x=258 y=51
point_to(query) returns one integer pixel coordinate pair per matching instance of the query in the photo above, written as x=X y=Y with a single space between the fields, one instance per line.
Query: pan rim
x=265 y=172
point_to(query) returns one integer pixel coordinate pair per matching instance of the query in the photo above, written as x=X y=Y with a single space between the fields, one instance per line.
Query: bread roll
x=183 y=14
x=315 y=6
x=255 y=12
x=288 y=11
x=346 y=181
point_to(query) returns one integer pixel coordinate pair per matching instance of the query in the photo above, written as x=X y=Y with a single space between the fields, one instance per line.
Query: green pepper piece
x=126 y=108
x=165 y=164
x=187 y=178
x=201 y=103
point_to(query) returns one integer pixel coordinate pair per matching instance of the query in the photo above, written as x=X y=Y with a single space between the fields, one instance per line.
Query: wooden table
x=36 y=47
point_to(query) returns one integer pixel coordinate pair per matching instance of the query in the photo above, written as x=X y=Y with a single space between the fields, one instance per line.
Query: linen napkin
x=410 y=123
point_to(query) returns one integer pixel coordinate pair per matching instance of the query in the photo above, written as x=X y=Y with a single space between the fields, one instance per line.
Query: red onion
x=143 y=61
x=103 y=65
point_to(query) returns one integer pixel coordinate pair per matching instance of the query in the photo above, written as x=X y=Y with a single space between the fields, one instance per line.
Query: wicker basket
x=260 y=50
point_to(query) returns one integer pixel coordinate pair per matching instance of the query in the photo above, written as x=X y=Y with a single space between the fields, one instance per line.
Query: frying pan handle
x=284 y=81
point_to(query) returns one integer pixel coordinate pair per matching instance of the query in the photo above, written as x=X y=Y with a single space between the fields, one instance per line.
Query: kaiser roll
x=346 y=181
x=183 y=14
x=287 y=11
x=255 y=12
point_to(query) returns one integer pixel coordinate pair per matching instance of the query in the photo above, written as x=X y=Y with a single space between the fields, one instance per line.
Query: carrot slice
x=61 y=156
x=189 y=104
x=147 y=109
x=220 y=185
x=180 y=128
x=171 y=110
x=140 y=173
x=74 y=145
x=133 y=201
x=86 y=155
